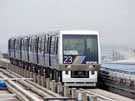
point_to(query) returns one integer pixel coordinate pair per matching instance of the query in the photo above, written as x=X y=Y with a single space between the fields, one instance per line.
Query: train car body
x=70 y=56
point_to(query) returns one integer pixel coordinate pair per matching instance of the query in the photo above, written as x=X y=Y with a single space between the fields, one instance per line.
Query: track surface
x=111 y=96
x=31 y=88
x=5 y=95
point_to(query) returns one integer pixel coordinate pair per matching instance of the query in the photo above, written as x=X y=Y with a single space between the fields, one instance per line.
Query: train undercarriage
x=69 y=75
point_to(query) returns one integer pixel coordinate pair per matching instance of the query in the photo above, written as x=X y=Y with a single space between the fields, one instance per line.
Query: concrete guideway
x=13 y=86
x=43 y=93
x=50 y=93
x=99 y=93
x=5 y=95
x=33 y=86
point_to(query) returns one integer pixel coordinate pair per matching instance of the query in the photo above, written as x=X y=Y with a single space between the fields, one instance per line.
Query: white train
x=69 y=56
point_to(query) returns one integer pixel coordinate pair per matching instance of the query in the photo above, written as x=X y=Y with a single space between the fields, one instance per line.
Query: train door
x=14 y=48
x=56 y=48
x=41 y=50
x=23 y=56
x=17 y=48
x=43 y=46
x=20 y=49
x=33 y=55
x=47 y=38
x=53 y=50
x=36 y=50
x=31 y=50
x=27 y=49
x=9 y=47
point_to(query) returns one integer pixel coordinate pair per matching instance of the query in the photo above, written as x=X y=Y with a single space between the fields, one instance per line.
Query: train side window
x=52 y=45
x=24 y=44
x=50 y=38
x=44 y=44
x=9 y=46
x=34 y=44
x=56 y=45
x=28 y=40
x=21 y=48
x=48 y=44
x=14 y=47
x=30 y=45
x=38 y=44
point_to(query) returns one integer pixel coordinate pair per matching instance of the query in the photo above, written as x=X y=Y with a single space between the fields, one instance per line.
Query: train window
x=9 y=46
x=16 y=44
x=36 y=44
x=30 y=44
x=33 y=49
x=33 y=44
x=27 y=44
x=39 y=44
x=21 y=48
x=42 y=44
x=57 y=45
x=24 y=44
x=81 y=45
x=48 y=44
x=52 y=45
x=12 y=45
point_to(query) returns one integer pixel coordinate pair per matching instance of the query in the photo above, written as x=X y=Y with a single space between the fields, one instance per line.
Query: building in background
x=113 y=54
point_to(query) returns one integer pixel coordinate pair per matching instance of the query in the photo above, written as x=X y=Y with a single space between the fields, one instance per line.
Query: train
x=69 y=56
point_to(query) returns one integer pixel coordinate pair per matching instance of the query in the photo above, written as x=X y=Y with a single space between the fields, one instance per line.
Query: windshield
x=80 y=49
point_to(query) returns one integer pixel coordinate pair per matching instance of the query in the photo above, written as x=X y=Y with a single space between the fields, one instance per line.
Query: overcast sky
x=114 y=19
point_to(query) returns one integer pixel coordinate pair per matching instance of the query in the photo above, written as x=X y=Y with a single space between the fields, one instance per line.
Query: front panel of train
x=80 y=59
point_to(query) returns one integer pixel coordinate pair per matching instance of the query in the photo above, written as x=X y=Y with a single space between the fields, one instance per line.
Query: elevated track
x=27 y=86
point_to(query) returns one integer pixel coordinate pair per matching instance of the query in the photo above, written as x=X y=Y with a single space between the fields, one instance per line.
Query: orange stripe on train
x=76 y=59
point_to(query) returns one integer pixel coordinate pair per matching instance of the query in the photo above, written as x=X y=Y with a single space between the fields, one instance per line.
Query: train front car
x=79 y=57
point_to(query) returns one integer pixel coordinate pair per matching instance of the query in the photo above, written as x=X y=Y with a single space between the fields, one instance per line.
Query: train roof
x=89 y=32
x=52 y=33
